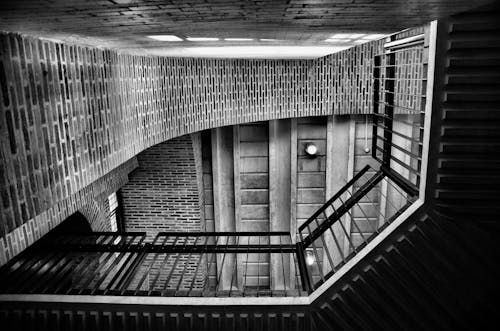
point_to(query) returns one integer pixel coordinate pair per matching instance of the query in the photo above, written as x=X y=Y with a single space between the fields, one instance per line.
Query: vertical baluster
x=246 y=267
x=198 y=266
x=162 y=265
x=172 y=270
x=234 y=268
x=316 y=257
x=185 y=265
x=146 y=273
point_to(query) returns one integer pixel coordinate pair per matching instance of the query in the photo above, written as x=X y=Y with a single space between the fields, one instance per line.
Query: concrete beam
x=339 y=164
x=223 y=190
x=279 y=196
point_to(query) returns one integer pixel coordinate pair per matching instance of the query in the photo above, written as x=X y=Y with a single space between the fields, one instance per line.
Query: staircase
x=440 y=270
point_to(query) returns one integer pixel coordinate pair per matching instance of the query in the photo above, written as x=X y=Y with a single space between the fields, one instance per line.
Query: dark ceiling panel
x=124 y=24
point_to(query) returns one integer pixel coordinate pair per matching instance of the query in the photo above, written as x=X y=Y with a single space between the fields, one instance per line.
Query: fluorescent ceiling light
x=238 y=39
x=202 y=39
x=165 y=37
x=333 y=40
x=373 y=36
x=250 y=52
x=346 y=35
x=268 y=39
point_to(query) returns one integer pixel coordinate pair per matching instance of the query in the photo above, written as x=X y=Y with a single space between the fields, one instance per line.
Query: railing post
x=304 y=272
x=389 y=84
x=376 y=102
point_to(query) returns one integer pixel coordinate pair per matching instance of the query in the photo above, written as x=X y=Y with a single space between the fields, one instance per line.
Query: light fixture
x=346 y=35
x=238 y=39
x=310 y=258
x=202 y=39
x=373 y=36
x=263 y=51
x=338 y=40
x=165 y=37
x=311 y=149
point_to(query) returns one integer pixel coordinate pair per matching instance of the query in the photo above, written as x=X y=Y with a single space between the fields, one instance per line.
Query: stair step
x=402 y=316
x=473 y=53
x=374 y=301
x=418 y=303
x=476 y=115
x=484 y=35
x=357 y=303
x=477 y=89
x=431 y=284
x=458 y=246
x=468 y=71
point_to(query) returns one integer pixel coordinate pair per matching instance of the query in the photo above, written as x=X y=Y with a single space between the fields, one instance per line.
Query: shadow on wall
x=76 y=223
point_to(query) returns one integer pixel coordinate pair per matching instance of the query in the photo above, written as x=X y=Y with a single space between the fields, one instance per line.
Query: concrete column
x=293 y=179
x=293 y=194
x=223 y=190
x=196 y=142
x=279 y=197
x=338 y=170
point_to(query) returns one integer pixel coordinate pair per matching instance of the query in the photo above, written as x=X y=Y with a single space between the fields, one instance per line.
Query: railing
x=371 y=200
x=353 y=217
x=399 y=109
x=173 y=264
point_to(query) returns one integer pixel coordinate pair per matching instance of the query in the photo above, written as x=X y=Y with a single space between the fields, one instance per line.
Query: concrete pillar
x=279 y=197
x=338 y=170
x=196 y=142
x=223 y=190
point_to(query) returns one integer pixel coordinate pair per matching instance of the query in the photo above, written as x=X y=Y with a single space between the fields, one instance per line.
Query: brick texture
x=162 y=193
x=91 y=202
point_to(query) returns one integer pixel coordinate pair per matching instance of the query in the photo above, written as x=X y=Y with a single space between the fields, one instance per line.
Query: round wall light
x=311 y=149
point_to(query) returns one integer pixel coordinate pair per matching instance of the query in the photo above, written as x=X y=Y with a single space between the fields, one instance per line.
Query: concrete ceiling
x=304 y=25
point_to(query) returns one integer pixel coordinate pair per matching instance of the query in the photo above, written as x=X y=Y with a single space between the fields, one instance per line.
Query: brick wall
x=91 y=202
x=70 y=114
x=162 y=193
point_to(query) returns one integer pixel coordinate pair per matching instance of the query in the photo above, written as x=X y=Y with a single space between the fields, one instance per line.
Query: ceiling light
x=202 y=39
x=268 y=39
x=238 y=39
x=250 y=52
x=338 y=40
x=373 y=36
x=341 y=35
x=347 y=35
x=165 y=37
